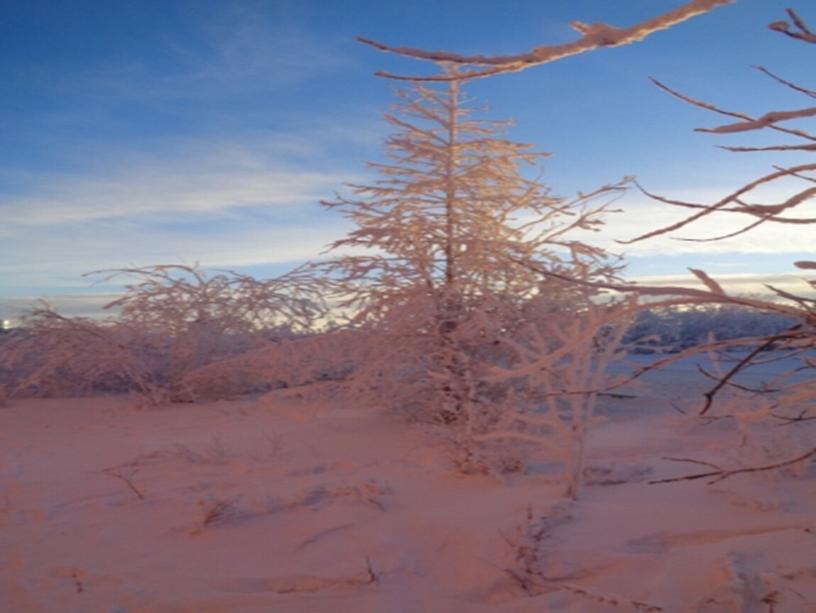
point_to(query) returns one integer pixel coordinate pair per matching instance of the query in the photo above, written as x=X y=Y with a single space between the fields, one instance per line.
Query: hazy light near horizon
x=746 y=284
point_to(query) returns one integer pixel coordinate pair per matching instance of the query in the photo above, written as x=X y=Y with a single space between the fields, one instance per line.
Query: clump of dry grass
x=217 y=512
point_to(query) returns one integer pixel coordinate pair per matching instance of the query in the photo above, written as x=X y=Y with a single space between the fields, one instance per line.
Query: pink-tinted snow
x=304 y=504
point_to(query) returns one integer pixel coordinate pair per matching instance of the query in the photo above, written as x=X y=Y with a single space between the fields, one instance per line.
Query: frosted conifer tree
x=446 y=247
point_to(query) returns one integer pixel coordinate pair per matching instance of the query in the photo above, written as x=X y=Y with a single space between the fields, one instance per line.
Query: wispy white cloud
x=237 y=208
x=250 y=46
x=735 y=283
x=173 y=191
x=224 y=49
x=228 y=177
x=230 y=198
x=63 y=253
x=220 y=202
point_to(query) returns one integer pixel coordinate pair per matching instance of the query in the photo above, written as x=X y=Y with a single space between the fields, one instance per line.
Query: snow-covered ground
x=299 y=502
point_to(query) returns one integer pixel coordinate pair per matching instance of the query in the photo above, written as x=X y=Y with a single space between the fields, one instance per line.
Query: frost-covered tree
x=441 y=264
x=495 y=356
x=453 y=218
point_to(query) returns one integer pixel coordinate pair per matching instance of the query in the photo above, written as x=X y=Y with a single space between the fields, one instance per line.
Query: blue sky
x=136 y=133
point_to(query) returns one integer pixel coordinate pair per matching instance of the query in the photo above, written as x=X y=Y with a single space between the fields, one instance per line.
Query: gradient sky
x=165 y=131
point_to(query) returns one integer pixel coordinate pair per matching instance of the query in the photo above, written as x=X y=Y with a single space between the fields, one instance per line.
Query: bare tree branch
x=742 y=364
x=765 y=121
x=785 y=82
x=804 y=33
x=736 y=198
x=593 y=36
x=716 y=109
x=770 y=148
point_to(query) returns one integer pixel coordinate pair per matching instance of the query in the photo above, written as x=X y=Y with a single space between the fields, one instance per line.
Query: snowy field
x=412 y=424
x=293 y=502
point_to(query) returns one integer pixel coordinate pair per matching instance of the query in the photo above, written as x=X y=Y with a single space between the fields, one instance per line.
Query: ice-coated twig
x=719 y=110
x=764 y=121
x=593 y=36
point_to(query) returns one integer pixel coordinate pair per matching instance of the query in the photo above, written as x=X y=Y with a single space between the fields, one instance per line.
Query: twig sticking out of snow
x=126 y=476
x=610 y=600
x=78 y=586
x=301 y=584
x=528 y=570
x=721 y=473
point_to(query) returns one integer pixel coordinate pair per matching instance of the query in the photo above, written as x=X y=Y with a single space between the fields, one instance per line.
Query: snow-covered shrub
x=53 y=355
x=179 y=335
x=545 y=377
x=176 y=298
x=303 y=359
